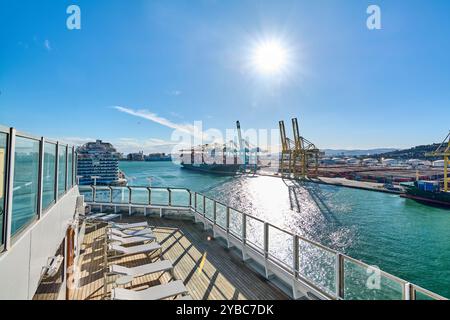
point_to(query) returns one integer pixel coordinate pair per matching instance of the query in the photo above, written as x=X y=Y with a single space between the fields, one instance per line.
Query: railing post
x=190 y=199
x=295 y=254
x=170 y=196
x=57 y=164
x=339 y=277
x=244 y=236
x=195 y=201
x=266 y=240
x=149 y=196
x=228 y=220
x=9 y=185
x=40 y=177
x=110 y=194
x=67 y=170
x=204 y=206
x=214 y=212
x=409 y=292
x=129 y=195
x=94 y=194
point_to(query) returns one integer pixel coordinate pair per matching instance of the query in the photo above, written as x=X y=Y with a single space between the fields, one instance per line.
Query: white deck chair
x=127 y=226
x=159 y=292
x=94 y=216
x=130 y=240
x=158 y=266
x=109 y=217
x=132 y=233
x=126 y=251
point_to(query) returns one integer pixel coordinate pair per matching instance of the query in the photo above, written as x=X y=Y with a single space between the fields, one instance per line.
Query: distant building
x=389 y=162
x=438 y=163
x=136 y=156
x=98 y=159
x=369 y=162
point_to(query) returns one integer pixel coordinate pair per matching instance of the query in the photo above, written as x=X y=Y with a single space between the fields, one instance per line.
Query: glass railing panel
x=180 y=197
x=120 y=195
x=255 y=233
x=159 y=197
x=209 y=209
x=221 y=215
x=86 y=191
x=423 y=294
x=368 y=283
x=199 y=203
x=236 y=223
x=62 y=170
x=49 y=175
x=3 y=145
x=317 y=265
x=25 y=184
x=70 y=169
x=103 y=195
x=281 y=246
x=140 y=196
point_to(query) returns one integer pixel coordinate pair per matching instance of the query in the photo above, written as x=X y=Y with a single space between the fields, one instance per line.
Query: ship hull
x=441 y=199
x=228 y=169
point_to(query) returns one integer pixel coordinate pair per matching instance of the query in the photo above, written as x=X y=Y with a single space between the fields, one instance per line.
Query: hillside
x=417 y=152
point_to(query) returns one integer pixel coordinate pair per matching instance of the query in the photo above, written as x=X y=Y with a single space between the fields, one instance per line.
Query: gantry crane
x=443 y=151
x=297 y=156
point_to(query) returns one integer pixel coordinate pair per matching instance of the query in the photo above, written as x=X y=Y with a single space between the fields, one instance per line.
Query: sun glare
x=269 y=57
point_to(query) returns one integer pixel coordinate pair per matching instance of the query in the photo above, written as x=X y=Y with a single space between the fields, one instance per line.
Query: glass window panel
x=49 y=175
x=199 y=203
x=103 y=194
x=236 y=223
x=280 y=246
x=180 y=198
x=139 y=196
x=255 y=233
x=209 y=209
x=3 y=141
x=87 y=192
x=221 y=215
x=367 y=283
x=25 y=184
x=160 y=197
x=317 y=265
x=62 y=170
x=70 y=169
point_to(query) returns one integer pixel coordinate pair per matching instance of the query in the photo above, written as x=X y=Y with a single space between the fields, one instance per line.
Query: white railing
x=295 y=259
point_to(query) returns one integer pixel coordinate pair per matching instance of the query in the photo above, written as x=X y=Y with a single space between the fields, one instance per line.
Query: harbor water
x=400 y=236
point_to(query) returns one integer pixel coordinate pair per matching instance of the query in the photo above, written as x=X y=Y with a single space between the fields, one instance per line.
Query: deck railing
x=330 y=273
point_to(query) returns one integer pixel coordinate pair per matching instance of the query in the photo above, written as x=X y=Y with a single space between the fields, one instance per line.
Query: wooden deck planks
x=223 y=276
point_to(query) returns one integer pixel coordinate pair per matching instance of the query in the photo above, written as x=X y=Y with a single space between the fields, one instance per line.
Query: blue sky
x=182 y=61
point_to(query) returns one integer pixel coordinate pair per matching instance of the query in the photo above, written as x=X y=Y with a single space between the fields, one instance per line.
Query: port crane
x=297 y=155
x=443 y=151
x=245 y=150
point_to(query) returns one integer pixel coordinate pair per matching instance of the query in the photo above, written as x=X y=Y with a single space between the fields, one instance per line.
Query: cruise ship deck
x=207 y=268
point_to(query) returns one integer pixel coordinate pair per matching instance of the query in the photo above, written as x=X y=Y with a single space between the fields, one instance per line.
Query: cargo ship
x=428 y=192
x=212 y=158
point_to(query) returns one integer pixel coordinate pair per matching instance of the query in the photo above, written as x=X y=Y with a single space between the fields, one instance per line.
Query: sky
x=138 y=70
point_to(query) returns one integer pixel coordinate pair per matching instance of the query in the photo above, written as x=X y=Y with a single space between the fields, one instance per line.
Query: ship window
x=62 y=170
x=3 y=138
x=49 y=175
x=25 y=183
x=70 y=169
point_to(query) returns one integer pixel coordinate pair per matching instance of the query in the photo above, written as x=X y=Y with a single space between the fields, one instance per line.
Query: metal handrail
x=408 y=289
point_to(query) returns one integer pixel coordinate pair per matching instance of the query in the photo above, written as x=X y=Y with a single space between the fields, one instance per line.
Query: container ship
x=430 y=192
x=215 y=158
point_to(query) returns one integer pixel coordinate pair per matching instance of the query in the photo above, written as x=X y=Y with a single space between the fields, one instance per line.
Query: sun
x=270 y=57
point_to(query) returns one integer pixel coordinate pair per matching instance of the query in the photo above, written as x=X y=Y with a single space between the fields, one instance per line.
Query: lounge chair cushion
x=160 y=292
x=159 y=266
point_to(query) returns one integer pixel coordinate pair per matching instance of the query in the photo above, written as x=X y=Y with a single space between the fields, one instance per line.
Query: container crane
x=443 y=151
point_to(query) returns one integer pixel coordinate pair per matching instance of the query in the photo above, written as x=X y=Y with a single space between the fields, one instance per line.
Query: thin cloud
x=47 y=45
x=145 y=114
x=175 y=93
